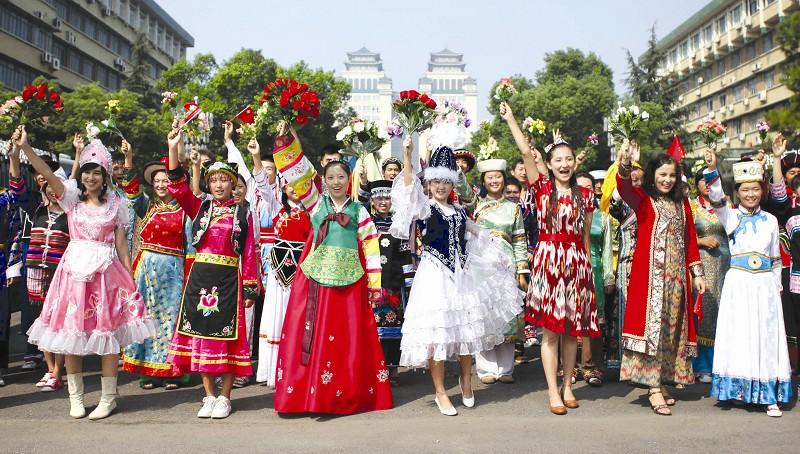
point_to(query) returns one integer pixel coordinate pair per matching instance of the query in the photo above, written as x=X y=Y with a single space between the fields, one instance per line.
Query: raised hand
x=77 y=143
x=175 y=137
x=635 y=152
x=505 y=111
x=20 y=137
x=228 y=133
x=194 y=157
x=254 y=148
x=362 y=171
x=711 y=159
x=408 y=145
x=283 y=128
x=580 y=159
x=625 y=153
x=556 y=135
x=778 y=145
x=126 y=149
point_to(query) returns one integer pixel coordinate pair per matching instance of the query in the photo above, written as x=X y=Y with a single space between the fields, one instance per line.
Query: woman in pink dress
x=211 y=331
x=92 y=307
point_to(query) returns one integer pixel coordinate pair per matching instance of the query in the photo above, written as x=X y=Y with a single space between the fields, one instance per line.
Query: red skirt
x=346 y=372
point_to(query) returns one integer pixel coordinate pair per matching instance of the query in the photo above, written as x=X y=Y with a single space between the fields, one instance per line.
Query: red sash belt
x=266 y=235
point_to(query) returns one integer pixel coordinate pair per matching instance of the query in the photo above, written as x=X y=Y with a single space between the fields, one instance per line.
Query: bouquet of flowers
x=504 y=90
x=361 y=138
x=186 y=113
x=625 y=122
x=763 y=129
x=710 y=131
x=252 y=121
x=535 y=128
x=35 y=104
x=415 y=113
x=454 y=112
x=109 y=125
x=290 y=101
x=488 y=149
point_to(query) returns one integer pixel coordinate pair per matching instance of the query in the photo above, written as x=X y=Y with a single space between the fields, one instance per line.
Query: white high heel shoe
x=468 y=402
x=445 y=411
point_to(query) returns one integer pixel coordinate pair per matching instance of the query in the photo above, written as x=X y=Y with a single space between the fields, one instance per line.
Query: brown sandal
x=658 y=408
x=668 y=399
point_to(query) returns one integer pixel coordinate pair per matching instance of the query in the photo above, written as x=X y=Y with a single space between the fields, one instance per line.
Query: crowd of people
x=324 y=285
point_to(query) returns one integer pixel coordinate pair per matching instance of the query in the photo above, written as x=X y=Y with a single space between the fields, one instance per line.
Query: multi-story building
x=728 y=66
x=83 y=41
x=447 y=80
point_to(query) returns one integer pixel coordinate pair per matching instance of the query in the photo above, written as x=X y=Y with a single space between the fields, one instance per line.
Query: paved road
x=507 y=418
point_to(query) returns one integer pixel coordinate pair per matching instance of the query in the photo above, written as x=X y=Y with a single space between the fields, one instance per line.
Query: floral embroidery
x=390 y=317
x=372 y=391
x=71 y=308
x=338 y=393
x=187 y=326
x=328 y=364
x=330 y=338
x=377 y=318
x=383 y=375
x=94 y=307
x=129 y=301
x=327 y=376
x=290 y=389
x=384 y=260
x=385 y=242
x=227 y=330
x=209 y=302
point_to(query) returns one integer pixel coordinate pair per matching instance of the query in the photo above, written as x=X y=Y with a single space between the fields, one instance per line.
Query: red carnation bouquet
x=710 y=131
x=35 y=104
x=415 y=112
x=290 y=101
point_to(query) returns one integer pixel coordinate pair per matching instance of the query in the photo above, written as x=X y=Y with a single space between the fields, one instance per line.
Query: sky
x=498 y=38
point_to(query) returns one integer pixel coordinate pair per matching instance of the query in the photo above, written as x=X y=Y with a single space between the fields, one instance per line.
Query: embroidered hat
x=748 y=172
x=442 y=165
x=467 y=156
x=489 y=165
x=391 y=160
x=790 y=160
x=598 y=175
x=96 y=153
x=230 y=168
x=380 y=188
x=152 y=167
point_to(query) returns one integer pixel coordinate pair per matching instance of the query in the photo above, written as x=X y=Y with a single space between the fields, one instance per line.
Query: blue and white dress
x=751 y=357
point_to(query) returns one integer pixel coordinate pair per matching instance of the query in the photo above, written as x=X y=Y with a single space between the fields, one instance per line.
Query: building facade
x=84 y=41
x=728 y=66
x=447 y=80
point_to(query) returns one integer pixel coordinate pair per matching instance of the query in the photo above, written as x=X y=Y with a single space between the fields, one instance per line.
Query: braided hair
x=554 y=204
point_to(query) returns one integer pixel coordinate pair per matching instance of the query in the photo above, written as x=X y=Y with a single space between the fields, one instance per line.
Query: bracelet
x=697 y=270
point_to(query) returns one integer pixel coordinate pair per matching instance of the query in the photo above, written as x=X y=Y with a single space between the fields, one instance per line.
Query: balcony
x=770 y=15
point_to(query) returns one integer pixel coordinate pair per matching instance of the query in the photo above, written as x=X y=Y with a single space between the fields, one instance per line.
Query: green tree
x=786 y=118
x=655 y=94
x=137 y=80
x=573 y=92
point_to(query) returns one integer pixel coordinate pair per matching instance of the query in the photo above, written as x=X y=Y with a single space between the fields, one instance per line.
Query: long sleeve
x=631 y=195
x=368 y=239
x=293 y=165
x=9 y=204
x=727 y=216
x=250 y=264
x=269 y=200
x=409 y=203
x=179 y=188
x=775 y=256
x=519 y=242
x=133 y=190
x=692 y=250
x=235 y=156
x=465 y=192
x=608 y=251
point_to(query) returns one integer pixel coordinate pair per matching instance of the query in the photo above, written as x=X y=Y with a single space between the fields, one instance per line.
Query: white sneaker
x=773 y=411
x=208 y=407
x=704 y=378
x=47 y=376
x=222 y=408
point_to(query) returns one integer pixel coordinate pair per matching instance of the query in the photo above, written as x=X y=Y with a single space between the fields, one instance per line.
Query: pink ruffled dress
x=93 y=307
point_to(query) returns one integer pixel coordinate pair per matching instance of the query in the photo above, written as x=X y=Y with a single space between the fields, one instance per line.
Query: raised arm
x=77 y=144
x=632 y=196
x=724 y=212
x=234 y=155
x=178 y=186
x=530 y=156
x=20 y=139
x=293 y=164
x=262 y=181
x=408 y=149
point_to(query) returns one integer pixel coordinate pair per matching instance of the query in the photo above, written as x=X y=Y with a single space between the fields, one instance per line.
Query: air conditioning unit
x=697 y=93
x=118 y=62
x=55 y=65
x=762 y=96
x=680 y=98
x=107 y=11
x=40 y=15
x=730 y=107
x=756 y=67
x=726 y=140
x=699 y=80
x=748 y=21
x=122 y=67
x=741 y=136
x=746 y=101
x=712 y=115
x=57 y=23
x=722 y=82
x=722 y=111
x=70 y=36
x=47 y=57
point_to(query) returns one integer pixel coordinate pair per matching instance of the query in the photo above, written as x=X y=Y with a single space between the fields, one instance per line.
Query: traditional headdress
x=558 y=141
x=96 y=153
x=748 y=172
x=391 y=160
x=443 y=139
x=791 y=159
x=598 y=175
x=231 y=168
x=489 y=165
x=380 y=188
x=152 y=167
x=467 y=156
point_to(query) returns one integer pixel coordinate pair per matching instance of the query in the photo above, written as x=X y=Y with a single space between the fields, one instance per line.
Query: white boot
x=108 y=398
x=75 y=387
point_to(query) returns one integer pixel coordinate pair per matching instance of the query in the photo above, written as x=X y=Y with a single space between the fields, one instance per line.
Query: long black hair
x=649 y=182
x=483 y=191
x=551 y=214
x=88 y=167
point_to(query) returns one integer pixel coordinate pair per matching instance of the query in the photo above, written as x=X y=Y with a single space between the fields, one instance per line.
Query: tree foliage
x=573 y=92
x=786 y=118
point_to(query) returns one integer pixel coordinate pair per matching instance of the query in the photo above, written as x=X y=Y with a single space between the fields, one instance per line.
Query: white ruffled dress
x=453 y=313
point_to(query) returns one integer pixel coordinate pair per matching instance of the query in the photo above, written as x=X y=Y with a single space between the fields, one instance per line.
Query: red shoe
x=53 y=384
x=43 y=381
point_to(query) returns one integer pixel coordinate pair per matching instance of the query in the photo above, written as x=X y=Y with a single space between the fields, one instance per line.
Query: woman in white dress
x=464 y=293
x=751 y=357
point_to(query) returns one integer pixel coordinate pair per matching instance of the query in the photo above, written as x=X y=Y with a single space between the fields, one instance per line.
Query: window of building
x=721 y=67
x=738 y=92
x=673 y=57
x=722 y=99
x=708 y=34
x=14 y=76
x=695 y=43
x=684 y=49
x=722 y=24
x=25 y=29
x=709 y=104
x=750 y=51
x=734 y=127
x=753 y=6
x=752 y=86
x=767 y=42
x=736 y=59
x=769 y=78
x=736 y=15
x=708 y=73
